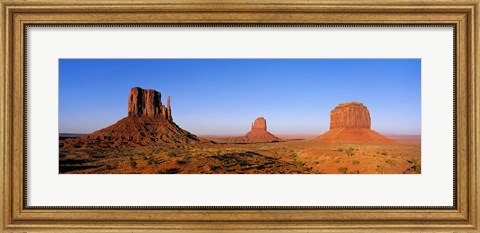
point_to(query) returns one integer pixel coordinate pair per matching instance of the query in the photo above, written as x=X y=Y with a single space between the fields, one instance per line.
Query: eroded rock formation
x=147 y=103
x=169 y=110
x=259 y=124
x=350 y=115
x=350 y=123
x=148 y=123
x=259 y=133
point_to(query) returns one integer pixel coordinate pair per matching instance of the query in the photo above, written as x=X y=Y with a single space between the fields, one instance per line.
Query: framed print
x=240 y=116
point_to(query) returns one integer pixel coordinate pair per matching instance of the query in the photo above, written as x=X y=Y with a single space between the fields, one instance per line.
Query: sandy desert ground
x=304 y=156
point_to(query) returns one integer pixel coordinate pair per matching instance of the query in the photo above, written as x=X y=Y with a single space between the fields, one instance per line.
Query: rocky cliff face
x=147 y=103
x=259 y=124
x=350 y=123
x=350 y=115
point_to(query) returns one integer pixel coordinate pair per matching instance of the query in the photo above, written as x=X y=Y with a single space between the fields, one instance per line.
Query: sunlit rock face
x=147 y=103
x=350 y=115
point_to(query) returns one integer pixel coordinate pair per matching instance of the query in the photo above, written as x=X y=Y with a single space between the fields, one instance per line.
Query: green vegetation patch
x=342 y=170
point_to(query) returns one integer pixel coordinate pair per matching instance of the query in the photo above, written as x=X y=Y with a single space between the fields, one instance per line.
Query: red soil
x=352 y=135
x=135 y=132
x=258 y=135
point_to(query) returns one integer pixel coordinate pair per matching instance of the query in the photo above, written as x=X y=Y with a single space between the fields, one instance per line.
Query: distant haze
x=224 y=96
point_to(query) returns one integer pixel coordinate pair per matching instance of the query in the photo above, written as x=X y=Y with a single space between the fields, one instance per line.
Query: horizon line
x=234 y=135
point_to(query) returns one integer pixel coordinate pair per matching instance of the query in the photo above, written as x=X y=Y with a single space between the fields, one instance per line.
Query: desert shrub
x=181 y=161
x=222 y=166
x=416 y=168
x=342 y=170
x=292 y=154
x=130 y=157
x=274 y=167
x=150 y=161
x=171 y=154
x=350 y=151
x=384 y=153
x=297 y=163
x=339 y=149
x=380 y=169
x=172 y=170
x=243 y=163
x=108 y=167
x=133 y=164
x=355 y=172
x=213 y=167
x=412 y=161
x=144 y=157
x=391 y=162
x=355 y=162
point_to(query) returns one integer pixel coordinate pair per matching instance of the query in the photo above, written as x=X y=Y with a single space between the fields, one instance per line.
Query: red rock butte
x=350 y=123
x=148 y=123
x=147 y=103
x=259 y=133
x=350 y=115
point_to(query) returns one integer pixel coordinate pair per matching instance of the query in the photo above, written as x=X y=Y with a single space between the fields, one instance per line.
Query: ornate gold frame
x=17 y=14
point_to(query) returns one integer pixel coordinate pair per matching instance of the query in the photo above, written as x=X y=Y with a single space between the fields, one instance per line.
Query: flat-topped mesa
x=350 y=115
x=147 y=103
x=350 y=123
x=259 y=124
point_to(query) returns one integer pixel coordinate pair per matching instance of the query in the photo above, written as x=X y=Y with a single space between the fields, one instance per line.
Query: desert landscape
x=148 y=141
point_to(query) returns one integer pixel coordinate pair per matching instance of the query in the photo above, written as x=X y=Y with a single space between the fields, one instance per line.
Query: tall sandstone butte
x=147 y=103
x=259 y=132
x=259 y=124
x=148 y=123
x=350 y=123
x=350 y=115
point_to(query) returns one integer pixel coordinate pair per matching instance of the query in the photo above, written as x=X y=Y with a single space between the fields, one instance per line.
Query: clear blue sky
x=223 y=96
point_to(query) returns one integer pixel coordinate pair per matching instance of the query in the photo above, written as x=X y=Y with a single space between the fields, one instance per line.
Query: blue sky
x=223 y=96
